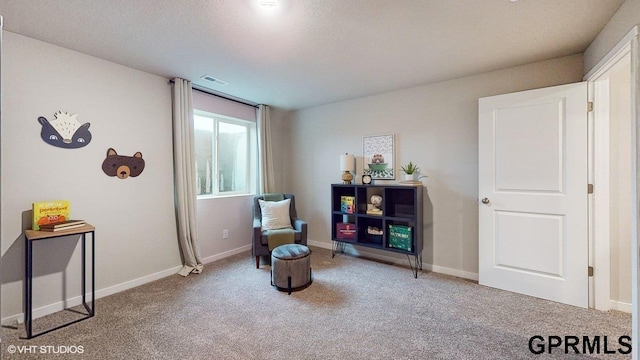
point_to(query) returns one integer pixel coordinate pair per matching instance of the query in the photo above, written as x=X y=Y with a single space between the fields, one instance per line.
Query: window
x=226 y=151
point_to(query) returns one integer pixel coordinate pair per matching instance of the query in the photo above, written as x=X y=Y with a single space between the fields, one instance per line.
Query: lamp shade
x=347 y=162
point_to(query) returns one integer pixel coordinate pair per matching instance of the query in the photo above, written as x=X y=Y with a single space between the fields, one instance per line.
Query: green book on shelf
x=400 y=237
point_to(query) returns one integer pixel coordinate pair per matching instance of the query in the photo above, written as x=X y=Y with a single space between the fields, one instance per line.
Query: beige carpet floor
x=355 y=309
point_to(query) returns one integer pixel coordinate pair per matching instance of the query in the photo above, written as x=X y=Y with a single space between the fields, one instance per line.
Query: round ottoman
x=291 y=267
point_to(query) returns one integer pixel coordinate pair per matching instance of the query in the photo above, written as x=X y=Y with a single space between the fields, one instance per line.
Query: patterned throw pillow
x=275 y=214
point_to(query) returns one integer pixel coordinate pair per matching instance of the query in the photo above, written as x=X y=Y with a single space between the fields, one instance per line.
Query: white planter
x=408 y=177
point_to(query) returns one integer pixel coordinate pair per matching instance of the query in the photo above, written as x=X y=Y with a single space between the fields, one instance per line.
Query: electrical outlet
x=225 y=233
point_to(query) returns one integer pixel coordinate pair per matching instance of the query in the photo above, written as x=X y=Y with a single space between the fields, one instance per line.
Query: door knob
x=485 y=201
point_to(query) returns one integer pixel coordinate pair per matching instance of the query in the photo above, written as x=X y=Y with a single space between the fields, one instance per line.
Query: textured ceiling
x=305 y=53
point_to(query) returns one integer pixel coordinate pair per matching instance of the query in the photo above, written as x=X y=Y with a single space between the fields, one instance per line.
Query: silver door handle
x=485 y=201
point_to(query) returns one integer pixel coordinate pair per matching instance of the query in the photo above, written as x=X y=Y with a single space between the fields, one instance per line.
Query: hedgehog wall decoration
x=65 y=131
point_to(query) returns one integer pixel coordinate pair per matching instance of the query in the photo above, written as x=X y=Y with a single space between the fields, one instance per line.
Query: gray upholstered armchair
x=260 y=245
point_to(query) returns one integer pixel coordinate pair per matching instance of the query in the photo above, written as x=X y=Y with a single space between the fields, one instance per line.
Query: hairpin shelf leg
x=417 y=264
x=337 y=246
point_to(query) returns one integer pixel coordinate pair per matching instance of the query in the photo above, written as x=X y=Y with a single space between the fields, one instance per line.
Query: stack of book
x=62 y=225
x=48 y=212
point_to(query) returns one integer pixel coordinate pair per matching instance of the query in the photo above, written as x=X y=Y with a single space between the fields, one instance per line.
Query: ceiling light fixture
x=269 y=8
x=268 y=3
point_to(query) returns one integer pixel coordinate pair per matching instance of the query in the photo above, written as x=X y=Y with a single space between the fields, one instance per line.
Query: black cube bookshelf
x=401 y=207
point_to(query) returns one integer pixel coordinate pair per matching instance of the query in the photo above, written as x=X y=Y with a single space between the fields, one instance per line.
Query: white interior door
x=533 y=236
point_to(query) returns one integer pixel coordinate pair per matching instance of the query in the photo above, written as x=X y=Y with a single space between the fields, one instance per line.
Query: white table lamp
x=347 y=164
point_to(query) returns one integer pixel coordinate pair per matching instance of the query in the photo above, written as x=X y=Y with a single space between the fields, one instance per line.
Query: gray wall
x=627 y=16
x=130 y=111
x=435 y=126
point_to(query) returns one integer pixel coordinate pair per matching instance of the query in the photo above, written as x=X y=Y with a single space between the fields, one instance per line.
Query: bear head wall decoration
x=65 y=131
x=122 y=166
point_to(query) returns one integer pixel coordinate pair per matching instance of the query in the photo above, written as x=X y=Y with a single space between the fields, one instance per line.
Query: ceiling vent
x=211 y=79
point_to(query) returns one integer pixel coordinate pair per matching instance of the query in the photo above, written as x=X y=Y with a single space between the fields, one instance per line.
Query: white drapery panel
x=184 y=176
x=265 y=151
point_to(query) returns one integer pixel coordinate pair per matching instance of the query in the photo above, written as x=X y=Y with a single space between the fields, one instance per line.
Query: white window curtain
x=265 y=151
x=184 y=173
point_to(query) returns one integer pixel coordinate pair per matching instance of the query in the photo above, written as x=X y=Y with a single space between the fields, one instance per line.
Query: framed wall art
x=378 y=155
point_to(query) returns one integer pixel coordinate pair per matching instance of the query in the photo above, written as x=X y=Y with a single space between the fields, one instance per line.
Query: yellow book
x=48 y=212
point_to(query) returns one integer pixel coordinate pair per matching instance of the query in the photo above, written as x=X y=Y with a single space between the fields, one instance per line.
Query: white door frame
x=599 y=136
x=626 y=49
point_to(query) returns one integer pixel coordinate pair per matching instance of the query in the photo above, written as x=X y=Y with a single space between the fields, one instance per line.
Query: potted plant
x=409 y=170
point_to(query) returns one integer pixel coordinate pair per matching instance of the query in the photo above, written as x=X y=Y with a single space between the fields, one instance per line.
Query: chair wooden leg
x=257 y=262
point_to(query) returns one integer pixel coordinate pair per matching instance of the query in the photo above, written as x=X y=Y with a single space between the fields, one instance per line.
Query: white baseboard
x=77 y=300
x=620 y=306
x=320 y=244
x=212 y=258
x=453 y=272
x=402 y=262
